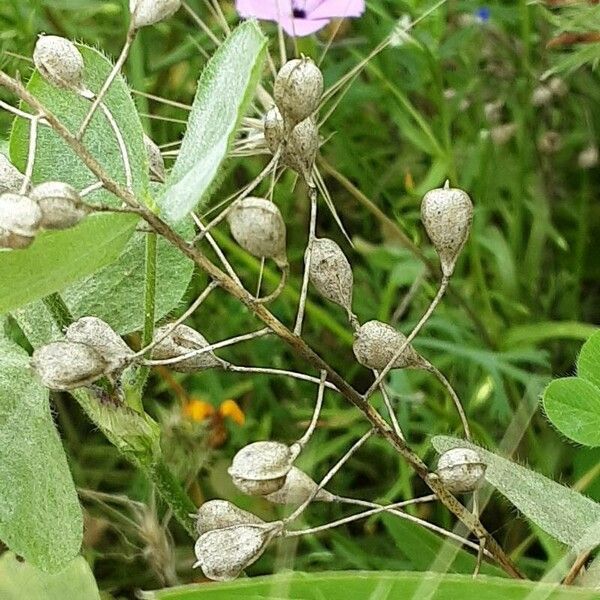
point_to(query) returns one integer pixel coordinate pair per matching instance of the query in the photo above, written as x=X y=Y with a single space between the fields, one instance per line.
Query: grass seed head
x=59 y=62
x=461 y=470
x=447 y=214
x=60 y=205
x=20 y=219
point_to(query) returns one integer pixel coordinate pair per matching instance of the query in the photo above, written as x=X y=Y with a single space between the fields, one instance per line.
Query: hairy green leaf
x=560 y=511
x=40 y=516
x=588 y=363
x=224 y=91
x=382 y=585
x=19 y=580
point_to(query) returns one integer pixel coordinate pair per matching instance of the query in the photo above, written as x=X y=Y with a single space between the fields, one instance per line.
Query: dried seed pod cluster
x=91 y=350
x=376 y=344
x=149 y=12
x=218 y=514
x=257 y=226
x=297 y=488
x=59 y=62
x=260 y=468
x=447 y=214
x=461 y=470
x=180 y=341
x=60 y=204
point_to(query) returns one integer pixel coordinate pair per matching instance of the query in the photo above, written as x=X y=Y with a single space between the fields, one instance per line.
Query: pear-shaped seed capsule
x=447 y=214
x=224 y=553
x=156 y=162
x=59 y=62
x=330 y=273
x=260 y=468
x=60 y=205
x=181 y=341
x=257 y=226
x=298 y=487
x=67 y=365
x=273 y=129
x=20 y=219
x=298 y=89
x=11 y=179
x=376 y=343
x=300 y=148
x=148 y=12
x=461 y=470
x=101 y=337
x=218 y=514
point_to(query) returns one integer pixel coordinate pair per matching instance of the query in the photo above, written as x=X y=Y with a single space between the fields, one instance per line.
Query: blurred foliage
x=526 y=289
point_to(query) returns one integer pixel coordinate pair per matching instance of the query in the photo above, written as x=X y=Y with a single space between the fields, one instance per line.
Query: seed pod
x=330 y=273
x=298 y=89
x=67 y=365
x=376 y=343
x=148 y=12
x=260 y=468
x=541 y=95
x=20 y=219
x=156 y=162
x=588 y=158
x=98 y=334
x=447 y=214
x=11 y=179
x=297 y=488
x=224 y=553
x=183 y=340
x=558 y=86
x=300 y=148
x=218 y=514
x=460 y=469
x=493 y=111
x=257 y=226
x=59 y=62
x=503 y=133
x=60 y=205
x=273 y=129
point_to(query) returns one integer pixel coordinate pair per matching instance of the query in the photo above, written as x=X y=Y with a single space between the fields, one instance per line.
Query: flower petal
x=302 y=27
x=270 y=10
x=327 y=9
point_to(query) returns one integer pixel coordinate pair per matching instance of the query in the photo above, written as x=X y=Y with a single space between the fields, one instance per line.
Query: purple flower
x=300 y=17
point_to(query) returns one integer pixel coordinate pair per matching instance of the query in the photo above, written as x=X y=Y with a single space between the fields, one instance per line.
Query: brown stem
x=261 y=312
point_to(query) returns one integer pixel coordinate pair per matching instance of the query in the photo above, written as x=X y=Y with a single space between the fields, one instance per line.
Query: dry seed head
x=224 y=553
x=300 y=148
x=20 y=219
x=156 y=162
x=298 y=89
x=376 y=343
x=260 y=468
x=330 y=273
x=461 y=469
x=588 y=158
x=541 y=95
x=273 y=129
x=11 y=179
x=257 y=226
x=60 y=205
x=183 y=340
x=149 y=12
x=218 y=514
x=550 y=142
x=558 y=86
x=101 y=337
x=59 y=62
x=298 y=487
x=501 y=134
x=67 y=365
x=447 y=214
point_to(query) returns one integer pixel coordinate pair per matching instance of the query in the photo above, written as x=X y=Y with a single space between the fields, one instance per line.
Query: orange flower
x=198 y=410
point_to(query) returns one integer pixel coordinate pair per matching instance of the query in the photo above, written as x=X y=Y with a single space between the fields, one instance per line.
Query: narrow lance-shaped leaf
x=40 y=516
x=225 y=89
x=560 y=511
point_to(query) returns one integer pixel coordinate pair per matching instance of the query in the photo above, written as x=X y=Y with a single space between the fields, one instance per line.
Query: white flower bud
x=300 y=147
x=260 y=468
x=541 y=95
x=298 y=487
x=330 y=273
x=98 y=334
x=60 y=205
x=224 y=553
x=218 y=514
x=447 y=214
x=183 y=340
x=149 y=12
x=11 y=179
x=588 y=158
x=67 y=365
x=298 y=89
x=20 y=219
x=156 y=162
x=59 y=62
x=460 y=470
x=376 y=343
x=273 y=129
x=257 y=226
